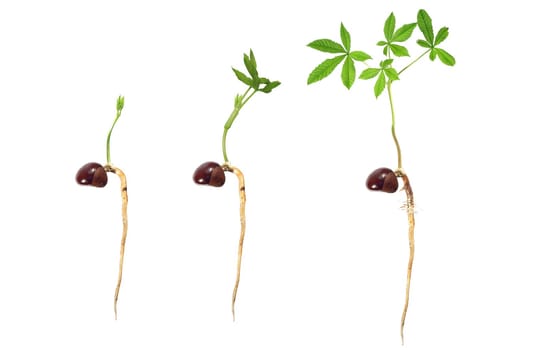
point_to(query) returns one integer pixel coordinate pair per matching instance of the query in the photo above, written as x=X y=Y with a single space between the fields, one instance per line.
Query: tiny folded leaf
x=398 y=50
x=270 y=86
x=326 y=45
x=251 y=67
x=379 y=85
x=120 y=103
x=441 y=35
x=425 y=25
x=359 y=56
x=242 y=77
x=252 y=57
x=445 y=57
x=381 y=43
x=348 y=73
x=390 y=24
x=404 y=32
x=369 y=73
x=433 y=54
x=345 y=38
x=324 y=69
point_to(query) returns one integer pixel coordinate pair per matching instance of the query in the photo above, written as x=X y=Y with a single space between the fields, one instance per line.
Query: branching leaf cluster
x=253 y=80
x=255 y=83
x=392 y=46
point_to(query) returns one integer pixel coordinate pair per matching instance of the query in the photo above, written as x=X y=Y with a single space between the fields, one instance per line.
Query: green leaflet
x=242 y=77
x=369 y=73
x=386 y=63
x=326 y=45
x=324 y=69
x=348 y=73
x=442 y=34
x=359 y=56
x=404 y=32
x=391 y=74
x=424 y=44
x=390 y=24
x=445 y=57
x=425 y=25
x=398 y=50
x=379 y=85
x=345 y=37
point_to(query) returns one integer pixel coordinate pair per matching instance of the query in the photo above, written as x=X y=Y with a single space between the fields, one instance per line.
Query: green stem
x=120 y=105
x=227 y=126
x=240 y=101
x=418 y=58
x=393 y=128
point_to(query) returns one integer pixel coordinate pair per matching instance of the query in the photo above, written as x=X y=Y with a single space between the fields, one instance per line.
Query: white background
x=325 y=260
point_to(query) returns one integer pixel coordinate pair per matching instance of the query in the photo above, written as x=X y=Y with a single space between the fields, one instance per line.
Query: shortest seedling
x=94 y=174
x=213 y=174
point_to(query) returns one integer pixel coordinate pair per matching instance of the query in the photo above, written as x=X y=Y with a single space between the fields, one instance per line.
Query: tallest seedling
x=385 y=74
x=212 y=174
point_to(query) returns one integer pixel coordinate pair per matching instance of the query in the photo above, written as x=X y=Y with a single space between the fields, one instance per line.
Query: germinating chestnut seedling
x=385 y=179
x=213 y=174
x=94 y=174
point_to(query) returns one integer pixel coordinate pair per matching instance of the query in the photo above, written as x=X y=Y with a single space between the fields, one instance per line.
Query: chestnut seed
x=209 y=173
x=382 y=179
x=92 y=174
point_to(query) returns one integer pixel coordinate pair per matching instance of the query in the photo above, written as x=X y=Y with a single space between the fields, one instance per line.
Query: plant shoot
x=94 y=174
x=385 y=73
x=213 y=174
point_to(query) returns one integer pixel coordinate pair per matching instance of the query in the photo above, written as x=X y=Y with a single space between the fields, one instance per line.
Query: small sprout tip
x=120 y=103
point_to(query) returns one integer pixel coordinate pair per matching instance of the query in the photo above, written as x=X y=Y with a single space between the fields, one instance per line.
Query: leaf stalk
x=414 y=61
